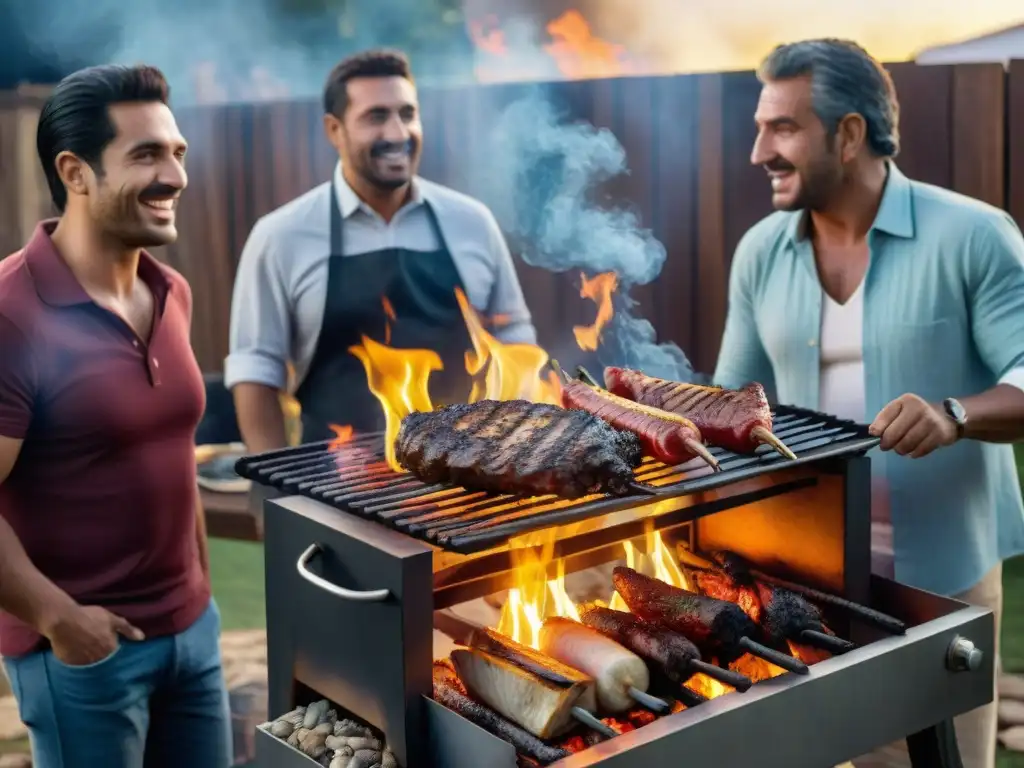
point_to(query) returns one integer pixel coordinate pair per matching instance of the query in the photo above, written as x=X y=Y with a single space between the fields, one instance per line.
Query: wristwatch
x=956 y=412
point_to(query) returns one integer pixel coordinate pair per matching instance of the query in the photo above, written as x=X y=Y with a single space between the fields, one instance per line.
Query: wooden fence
x=687 y=138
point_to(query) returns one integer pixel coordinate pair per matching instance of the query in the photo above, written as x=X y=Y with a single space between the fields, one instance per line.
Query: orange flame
x=579 y=54
x=598 y=289
x=389 y=312
x=505 y=371
x=398 y=379
x=573 y=49
x=342 y=435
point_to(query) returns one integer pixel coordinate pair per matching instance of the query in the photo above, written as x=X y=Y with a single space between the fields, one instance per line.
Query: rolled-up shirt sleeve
x=995 y=284
x=261 y=316
x=507 y=308
x=18 y=381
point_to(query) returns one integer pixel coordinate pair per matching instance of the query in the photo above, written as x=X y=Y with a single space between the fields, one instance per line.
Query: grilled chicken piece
x=449 y=691
x=539 y=704
x=615 y=669
x=736 y=419
x=518 y=447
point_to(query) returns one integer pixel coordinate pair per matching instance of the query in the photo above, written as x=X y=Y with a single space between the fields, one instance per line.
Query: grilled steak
x=518 y=447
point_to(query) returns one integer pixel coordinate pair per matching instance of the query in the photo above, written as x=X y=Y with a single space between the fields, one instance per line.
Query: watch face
x=955 y=411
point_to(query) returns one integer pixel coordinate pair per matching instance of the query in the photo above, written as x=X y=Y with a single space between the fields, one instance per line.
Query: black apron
x=420 y=288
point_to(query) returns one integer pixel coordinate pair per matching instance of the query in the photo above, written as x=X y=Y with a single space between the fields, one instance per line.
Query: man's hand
x=913 y=427
x=86 y=634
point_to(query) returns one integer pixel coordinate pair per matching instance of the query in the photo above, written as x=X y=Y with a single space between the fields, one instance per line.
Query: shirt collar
x=57 y=285
x=349 y=202
x=895 y=213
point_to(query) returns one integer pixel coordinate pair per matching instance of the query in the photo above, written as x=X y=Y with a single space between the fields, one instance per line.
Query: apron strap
x=337 y=245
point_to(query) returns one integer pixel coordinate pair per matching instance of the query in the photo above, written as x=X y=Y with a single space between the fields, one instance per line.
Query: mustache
x=779 y=164
x=158 y=192
x=384 y=147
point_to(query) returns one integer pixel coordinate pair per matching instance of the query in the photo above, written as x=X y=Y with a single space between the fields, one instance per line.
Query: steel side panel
x=458 y=743
x=846 y=707
x=271 y=752
x=373 y=659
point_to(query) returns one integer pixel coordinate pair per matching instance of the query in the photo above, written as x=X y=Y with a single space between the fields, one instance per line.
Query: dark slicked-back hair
x=380 y=62
x=845 y=79
x=76 y=117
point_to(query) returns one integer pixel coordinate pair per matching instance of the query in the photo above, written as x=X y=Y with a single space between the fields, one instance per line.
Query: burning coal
x=540 y=179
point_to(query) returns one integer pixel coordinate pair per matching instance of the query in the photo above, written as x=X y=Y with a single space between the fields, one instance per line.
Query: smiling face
x=132 y=193
x=804 y=163
x=380 y=136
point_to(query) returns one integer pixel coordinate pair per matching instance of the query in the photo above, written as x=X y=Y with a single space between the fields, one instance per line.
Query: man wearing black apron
x=378 y=253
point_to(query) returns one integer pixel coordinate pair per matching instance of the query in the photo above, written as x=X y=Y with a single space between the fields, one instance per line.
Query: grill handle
x=368 y=596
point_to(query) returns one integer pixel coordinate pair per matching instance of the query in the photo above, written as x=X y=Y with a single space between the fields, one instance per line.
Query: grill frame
x=309 y=471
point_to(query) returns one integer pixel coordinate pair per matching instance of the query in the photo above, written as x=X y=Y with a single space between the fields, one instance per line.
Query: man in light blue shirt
x=894 y=303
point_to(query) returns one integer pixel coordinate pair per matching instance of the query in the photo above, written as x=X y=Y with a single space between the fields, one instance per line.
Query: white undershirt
x=842 y=393
x=842 y=357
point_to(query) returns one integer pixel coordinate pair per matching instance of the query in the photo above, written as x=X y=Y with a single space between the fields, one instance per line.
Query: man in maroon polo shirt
x=107 y=628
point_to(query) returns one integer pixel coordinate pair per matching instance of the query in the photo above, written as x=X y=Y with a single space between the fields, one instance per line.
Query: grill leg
x=935 y=747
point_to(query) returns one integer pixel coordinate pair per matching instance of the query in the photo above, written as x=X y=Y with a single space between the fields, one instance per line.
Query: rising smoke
x=246 y=49
x=540 y=180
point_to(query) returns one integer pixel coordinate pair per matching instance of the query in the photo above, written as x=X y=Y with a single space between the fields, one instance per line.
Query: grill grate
x=356 y=479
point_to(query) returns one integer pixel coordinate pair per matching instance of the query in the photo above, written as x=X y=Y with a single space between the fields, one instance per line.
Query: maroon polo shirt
x=103 y=494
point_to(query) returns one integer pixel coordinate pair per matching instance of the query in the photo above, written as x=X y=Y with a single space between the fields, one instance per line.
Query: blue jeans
x=159 y=703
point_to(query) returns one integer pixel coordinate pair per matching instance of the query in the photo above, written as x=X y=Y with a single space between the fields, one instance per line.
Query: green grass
x=236 y=570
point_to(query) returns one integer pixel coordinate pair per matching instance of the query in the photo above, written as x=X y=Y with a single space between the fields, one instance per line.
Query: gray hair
x=845 y=79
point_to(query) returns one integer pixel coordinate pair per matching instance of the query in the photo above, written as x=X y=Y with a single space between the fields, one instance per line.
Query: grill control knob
x=963 y=655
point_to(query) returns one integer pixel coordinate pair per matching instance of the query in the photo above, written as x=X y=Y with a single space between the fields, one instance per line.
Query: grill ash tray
x=355 y=478
x=848 y=705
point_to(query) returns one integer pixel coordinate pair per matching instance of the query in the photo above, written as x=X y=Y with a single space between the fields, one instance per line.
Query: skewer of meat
x=676 y=657
x=881 y=620
x=736 y=419
x=667 y=437
x=719 y=628
x=530 y=688
x=449 y=691
x=622 y=677
x=782 y=614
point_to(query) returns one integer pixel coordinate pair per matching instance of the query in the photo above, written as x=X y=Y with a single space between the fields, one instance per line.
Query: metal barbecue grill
x=355 y=478
x=364 y=564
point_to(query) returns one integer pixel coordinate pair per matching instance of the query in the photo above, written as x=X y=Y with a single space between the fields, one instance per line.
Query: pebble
x=1011 y=712
x=1011 y=687
x=1013 y=738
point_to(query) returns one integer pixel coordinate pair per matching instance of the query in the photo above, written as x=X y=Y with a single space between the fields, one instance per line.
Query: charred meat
x=670 y=652
x=714 y=626
x=518 y=447
x=738 y=420
x=667 y=437
x=783 y=614
x=718 y=628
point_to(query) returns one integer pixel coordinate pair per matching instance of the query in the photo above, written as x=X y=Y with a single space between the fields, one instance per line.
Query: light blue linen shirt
x=943 y=317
